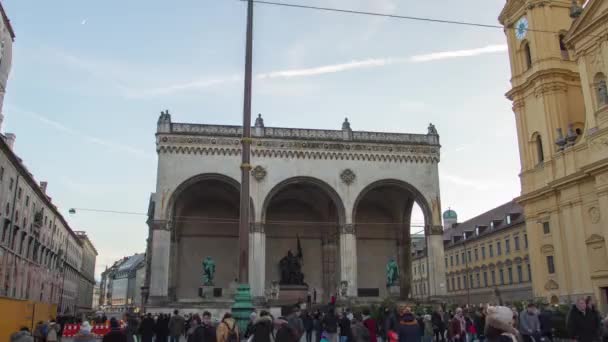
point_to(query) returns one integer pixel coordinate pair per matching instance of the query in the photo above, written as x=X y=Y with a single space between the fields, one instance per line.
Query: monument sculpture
x=290 y=269
x=392 y=273
x=208 y=271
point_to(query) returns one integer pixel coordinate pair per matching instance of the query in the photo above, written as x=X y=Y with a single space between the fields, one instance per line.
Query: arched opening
x=562 y=47
x=302 y=215
x=538 y=145
x=205 y=217
x=601 y=89
x=527 y=54
x=385 y=231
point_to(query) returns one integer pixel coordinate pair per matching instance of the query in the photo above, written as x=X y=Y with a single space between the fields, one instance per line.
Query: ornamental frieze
x=297 y=145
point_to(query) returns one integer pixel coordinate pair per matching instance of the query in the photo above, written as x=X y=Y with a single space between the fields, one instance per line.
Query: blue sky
x=89 y=79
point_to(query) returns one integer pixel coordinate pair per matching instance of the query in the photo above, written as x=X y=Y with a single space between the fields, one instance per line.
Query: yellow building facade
x=486 y=258
x=559 y=62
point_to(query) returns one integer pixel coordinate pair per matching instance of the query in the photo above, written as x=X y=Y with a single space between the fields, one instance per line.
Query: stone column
x=257 y=259
x=348 y=258
x=436 y=263
x=159 y=266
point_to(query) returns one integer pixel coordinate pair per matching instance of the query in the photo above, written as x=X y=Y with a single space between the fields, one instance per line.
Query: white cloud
x=129 y=81
x=475 y=183
x=436 y=56
x=83 y=22
x=88 y=138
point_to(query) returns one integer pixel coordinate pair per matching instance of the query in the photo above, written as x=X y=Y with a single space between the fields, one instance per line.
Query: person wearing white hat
x=85 y=334
x=499 y=325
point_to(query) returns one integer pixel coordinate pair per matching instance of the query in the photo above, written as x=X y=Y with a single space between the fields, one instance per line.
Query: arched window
x=601 y=90
x=562 y=47
x=527 y=54
x=540 y=155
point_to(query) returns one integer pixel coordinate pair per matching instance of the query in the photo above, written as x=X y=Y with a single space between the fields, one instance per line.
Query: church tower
x=546 y=91
x=559 y=189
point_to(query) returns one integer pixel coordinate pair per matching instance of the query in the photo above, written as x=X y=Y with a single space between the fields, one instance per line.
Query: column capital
x=347 y=228
x=434 y=230
x=161 y=225
x=256 y=227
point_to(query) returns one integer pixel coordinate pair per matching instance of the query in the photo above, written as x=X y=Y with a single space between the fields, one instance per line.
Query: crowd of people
x=470 y=324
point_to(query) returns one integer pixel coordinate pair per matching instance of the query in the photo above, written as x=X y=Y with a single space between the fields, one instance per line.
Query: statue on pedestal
x=291 y=270
x=208 y=271
x=392 y=273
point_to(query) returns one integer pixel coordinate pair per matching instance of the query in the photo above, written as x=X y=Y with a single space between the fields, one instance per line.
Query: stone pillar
x=405 y=263
x=159 y=266
x=348 y=258
x=257 y=260
x=436 y=263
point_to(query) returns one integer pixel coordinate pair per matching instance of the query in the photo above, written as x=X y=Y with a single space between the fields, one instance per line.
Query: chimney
x=43 y=186
x=10 y=139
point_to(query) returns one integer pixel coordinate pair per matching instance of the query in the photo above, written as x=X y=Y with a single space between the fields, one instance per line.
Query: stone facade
x=120 y=287
x=346 y=194
x=485 y=257
x=560 y=105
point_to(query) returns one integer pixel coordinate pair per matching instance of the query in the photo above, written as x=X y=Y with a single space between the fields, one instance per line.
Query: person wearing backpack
x=227 y=330
x=330 y=325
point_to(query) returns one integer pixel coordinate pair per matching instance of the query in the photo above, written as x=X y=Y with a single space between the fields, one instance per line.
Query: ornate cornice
x=347 y=229
x=257 y=227
x=431 y=157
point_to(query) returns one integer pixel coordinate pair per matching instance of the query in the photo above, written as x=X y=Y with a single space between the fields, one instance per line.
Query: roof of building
x=7 y=22
x=132 y=262
x=83 y=238
x=450 y=214
x=495 y=219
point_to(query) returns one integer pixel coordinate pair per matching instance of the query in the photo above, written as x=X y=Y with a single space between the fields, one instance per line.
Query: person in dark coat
x=317 y=326
x=307 y=320
x=408 y=328
x=284 y=332
x=583 y=323
x=146 y=328
x=132 y=327
x=438 y=325
x=202 y=330
x=115 y=334
x=480 y=324
x=546 y=322
x=329 y=324
x=262 y=329
x=346 y=334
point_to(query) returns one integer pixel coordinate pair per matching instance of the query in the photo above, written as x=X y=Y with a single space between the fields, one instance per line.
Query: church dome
x=450 y=214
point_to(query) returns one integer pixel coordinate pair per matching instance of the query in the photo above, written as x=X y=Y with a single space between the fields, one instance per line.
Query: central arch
x=311 y=210
x=382 y=217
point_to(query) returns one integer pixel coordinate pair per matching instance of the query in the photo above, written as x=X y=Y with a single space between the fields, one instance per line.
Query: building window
x=601 y=90
x=453 y=287
x=520 y=274
x=526 y=241
x=459 y=287
x=448 y=284
x=1 y=173
x=562 y=48
x=485 y=278
x=415 y=268
x=529 y=273
x=510 y=274
x=540 y=155
x=451 y=260
x=10 y=184
x=483 y=252
x=491 y=248
x=507 y=246
x=550 y=264
x=546 y=228
x=493 y=277
x=476 y=254
x=422 y=268
x=501 y=273
x=516 y=242
x=470 y=281
x=498 y=248
x=508 y=219
x=19 y=193
x=527 y=55
x=469 y=255
x=446 y=262
x=27 y=201
x=478 y=281
x=463 y=258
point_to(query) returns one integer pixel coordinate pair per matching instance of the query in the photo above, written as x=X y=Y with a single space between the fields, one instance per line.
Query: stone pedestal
x=292 y=294
x=394 y=290
x=206 y=291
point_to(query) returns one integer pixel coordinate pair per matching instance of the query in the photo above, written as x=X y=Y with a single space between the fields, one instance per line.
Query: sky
x=90 y=78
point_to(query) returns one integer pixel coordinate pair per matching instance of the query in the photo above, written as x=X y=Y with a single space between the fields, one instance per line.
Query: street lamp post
x=242 y=305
